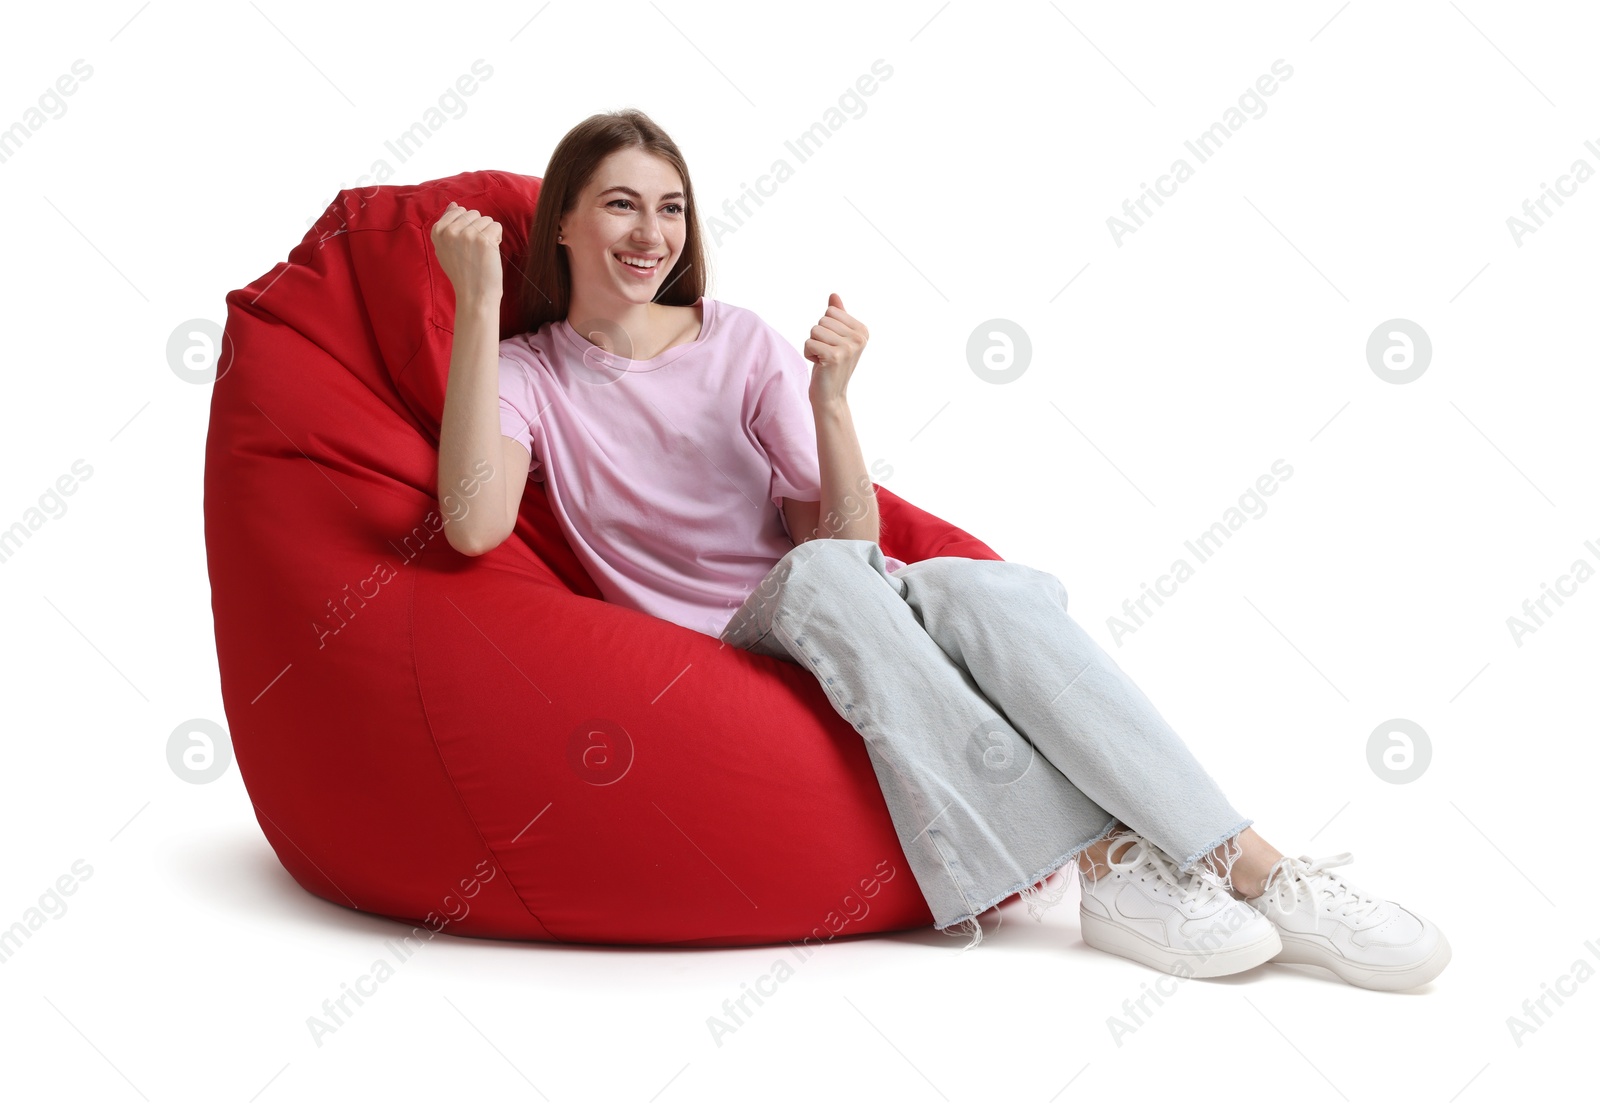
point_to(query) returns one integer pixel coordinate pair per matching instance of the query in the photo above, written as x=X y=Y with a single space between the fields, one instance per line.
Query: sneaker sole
x=1296 y=950
x=1108 y=936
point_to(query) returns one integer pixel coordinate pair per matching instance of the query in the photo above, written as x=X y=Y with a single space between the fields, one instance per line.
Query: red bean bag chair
x=482 y=745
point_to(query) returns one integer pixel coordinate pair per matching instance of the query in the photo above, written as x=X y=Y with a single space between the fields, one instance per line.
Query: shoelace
x=1197 y=886
x=1312 y=877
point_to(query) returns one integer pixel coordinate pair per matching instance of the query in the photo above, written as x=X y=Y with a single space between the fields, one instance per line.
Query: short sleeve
x=785 y=426
x=519 y=402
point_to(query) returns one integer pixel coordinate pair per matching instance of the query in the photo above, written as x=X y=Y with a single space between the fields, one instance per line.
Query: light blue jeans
x=1004 y=739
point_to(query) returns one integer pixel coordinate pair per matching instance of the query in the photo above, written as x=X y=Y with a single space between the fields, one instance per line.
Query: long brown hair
x=547 y=276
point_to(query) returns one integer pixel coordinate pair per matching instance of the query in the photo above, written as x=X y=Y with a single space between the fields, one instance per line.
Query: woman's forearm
x=473 y=490
x=849 y=505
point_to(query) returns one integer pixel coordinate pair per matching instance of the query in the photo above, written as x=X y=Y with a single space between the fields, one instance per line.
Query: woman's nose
x=648 y=229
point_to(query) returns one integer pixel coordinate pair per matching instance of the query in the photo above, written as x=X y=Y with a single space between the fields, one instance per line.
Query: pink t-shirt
x=668 y=475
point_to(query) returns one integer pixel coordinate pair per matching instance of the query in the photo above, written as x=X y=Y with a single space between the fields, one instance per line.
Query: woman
x=698 y=467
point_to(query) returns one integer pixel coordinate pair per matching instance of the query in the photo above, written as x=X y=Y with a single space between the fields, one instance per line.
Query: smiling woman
x=697 y=464
x=666 y=508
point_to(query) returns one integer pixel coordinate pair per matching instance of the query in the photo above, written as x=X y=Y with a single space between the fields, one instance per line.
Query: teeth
x=639 y=264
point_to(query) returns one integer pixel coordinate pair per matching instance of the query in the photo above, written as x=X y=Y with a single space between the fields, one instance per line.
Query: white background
x=975 y=183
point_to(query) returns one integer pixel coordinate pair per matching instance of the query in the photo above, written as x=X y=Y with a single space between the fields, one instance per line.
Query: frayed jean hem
x=1197 y=856
x=1032 y=891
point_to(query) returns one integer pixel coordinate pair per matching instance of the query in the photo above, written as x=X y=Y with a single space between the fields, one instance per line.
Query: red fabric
x=481 y=745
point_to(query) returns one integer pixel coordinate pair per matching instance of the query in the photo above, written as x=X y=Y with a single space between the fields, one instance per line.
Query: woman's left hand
x=834 y=347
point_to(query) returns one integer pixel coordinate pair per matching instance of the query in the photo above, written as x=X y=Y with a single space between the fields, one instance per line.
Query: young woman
x=704 y=473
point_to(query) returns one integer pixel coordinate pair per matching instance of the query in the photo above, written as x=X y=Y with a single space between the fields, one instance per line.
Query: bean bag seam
x=427 y=720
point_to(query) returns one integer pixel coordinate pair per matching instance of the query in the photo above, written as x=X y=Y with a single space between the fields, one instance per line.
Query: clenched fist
x=468 y=246
x=834 y=347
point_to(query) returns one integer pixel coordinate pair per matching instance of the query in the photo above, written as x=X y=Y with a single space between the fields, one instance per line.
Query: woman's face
x=633 y=208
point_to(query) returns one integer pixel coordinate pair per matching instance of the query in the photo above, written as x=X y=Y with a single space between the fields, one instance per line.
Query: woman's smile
x=630 y=261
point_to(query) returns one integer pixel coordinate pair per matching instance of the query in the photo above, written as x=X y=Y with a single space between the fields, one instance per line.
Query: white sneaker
x=1145 y=910
x=1364 y=939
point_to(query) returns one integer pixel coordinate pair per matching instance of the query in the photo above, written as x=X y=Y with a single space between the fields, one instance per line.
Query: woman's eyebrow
x=636 y=195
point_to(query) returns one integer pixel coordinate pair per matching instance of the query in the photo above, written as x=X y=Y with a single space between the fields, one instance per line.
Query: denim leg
x=1007 y=624
x=979 y=815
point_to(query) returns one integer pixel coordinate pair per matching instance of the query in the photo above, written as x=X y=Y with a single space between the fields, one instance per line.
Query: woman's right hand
x=468 y=247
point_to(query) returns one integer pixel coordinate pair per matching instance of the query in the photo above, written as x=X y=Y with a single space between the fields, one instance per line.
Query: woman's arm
x=849 y=506
x=479 y=469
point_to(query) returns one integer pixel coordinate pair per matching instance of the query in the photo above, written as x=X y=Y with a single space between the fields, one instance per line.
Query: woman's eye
x=677 y=207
